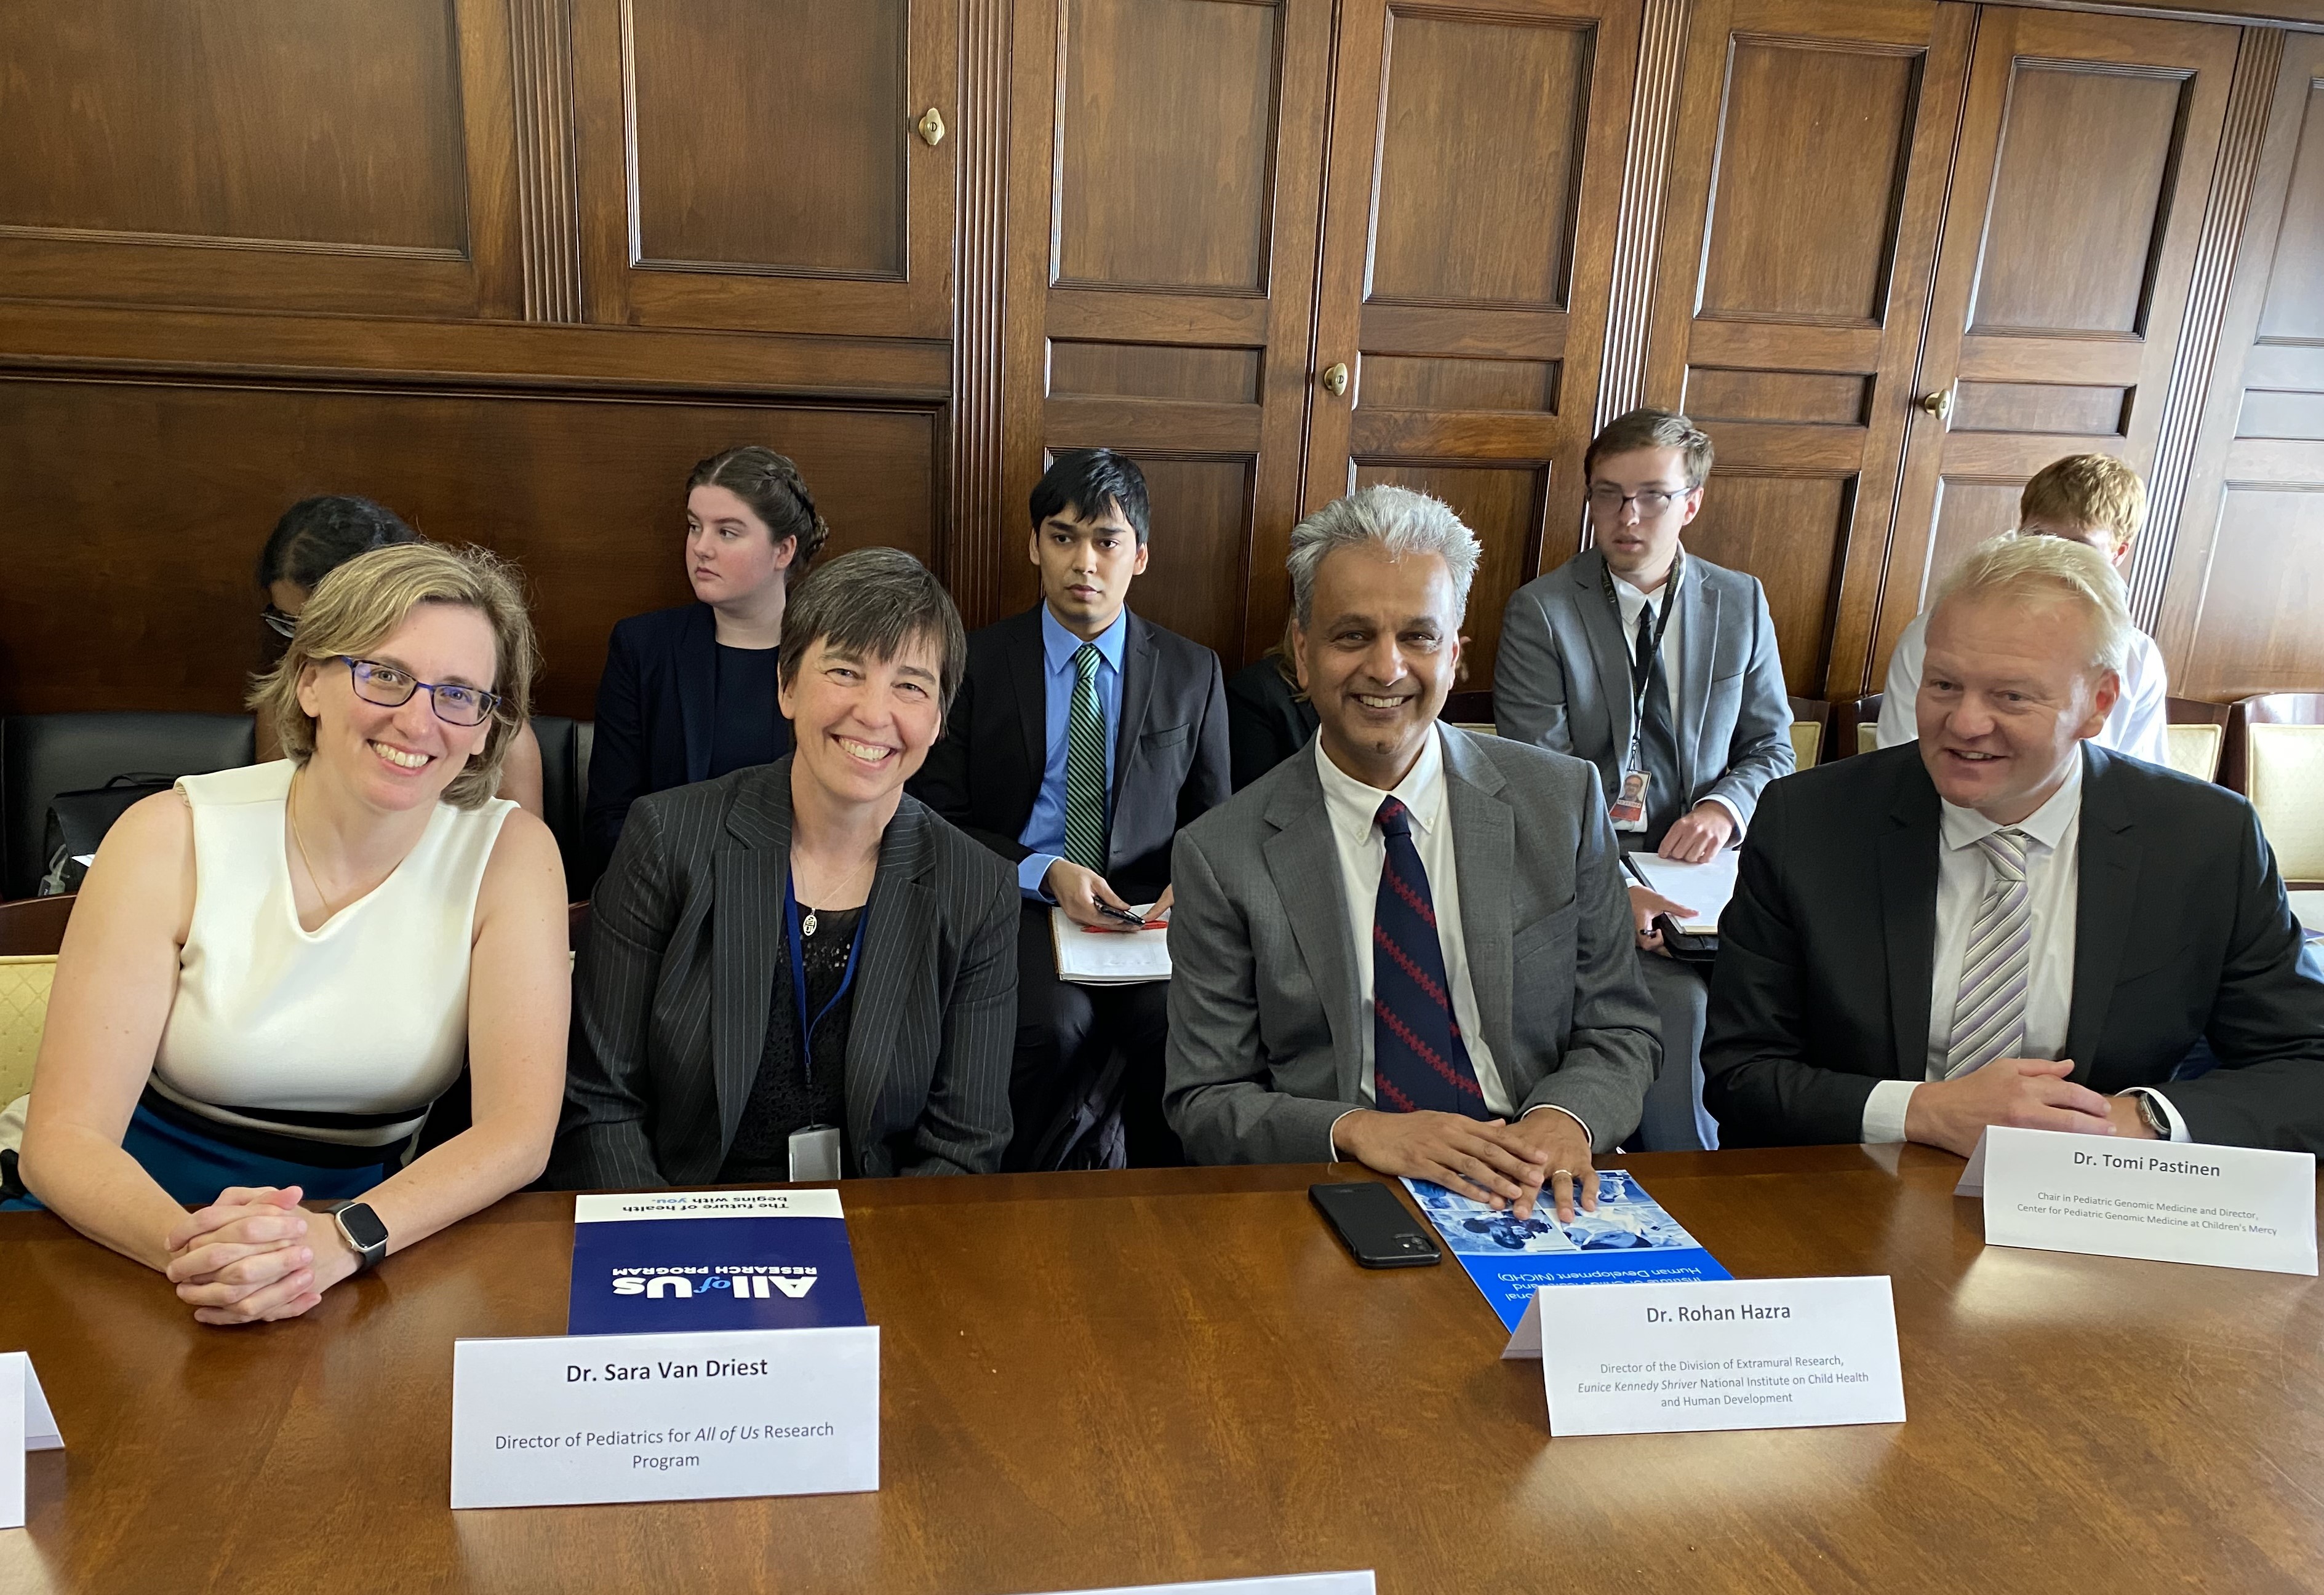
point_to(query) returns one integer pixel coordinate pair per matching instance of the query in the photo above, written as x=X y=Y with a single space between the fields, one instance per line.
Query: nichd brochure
x=1629 y=1240
x=660 y=1262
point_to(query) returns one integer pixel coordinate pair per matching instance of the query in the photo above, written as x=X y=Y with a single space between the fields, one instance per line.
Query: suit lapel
x=746 y=939
x=1484 y=858
x=1609 y=648
x=1139 y=656
x=899 y=948
x=1303 y=860
x=1908 y=916
x=697 y=688
x=2105 y=891
x=1698 y=616
x=1028 y=670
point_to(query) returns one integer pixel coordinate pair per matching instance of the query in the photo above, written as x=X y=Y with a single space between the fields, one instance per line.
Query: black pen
x=1122 y=916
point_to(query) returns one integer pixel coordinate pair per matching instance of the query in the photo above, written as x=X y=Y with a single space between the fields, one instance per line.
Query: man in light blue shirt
x=1081 y=739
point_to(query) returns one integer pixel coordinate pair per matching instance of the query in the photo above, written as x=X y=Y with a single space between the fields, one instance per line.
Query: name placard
x=2167 y=1201
x=564 y=1420
x=1305 y=1583
x=1727 y=1354
x=26 y=1424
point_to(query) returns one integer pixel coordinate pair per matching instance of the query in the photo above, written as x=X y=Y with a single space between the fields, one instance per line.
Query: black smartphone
x=1376 y=1227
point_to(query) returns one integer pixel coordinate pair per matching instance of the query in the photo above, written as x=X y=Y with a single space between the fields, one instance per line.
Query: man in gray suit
x=1660 y=668
x=1404 y=944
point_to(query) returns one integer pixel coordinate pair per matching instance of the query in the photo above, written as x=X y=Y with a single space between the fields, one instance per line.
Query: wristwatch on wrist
x=360 y=1228
x=2152 y=1111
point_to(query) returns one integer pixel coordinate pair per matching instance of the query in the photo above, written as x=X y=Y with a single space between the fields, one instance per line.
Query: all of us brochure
x=1629 y=1240
x=669 y=1262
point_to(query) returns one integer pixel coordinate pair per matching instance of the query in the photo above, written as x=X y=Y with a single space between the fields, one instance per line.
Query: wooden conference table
x=1095 y=1380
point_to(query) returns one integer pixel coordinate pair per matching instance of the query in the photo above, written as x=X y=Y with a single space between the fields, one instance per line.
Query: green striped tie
x=1086 y=766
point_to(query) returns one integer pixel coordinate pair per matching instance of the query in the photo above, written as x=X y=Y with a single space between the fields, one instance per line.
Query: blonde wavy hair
x=360 y=604
x=2031 y=569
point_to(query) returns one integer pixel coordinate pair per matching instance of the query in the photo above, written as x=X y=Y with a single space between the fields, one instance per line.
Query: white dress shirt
x=2139 y=724
x=1629 y=601
x=2052 y=880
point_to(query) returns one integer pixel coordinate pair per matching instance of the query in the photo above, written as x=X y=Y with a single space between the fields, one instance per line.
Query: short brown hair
x=2088 y=489
x=360 y=604
x=771 y=485
x=1653 y=429
x=872 y=602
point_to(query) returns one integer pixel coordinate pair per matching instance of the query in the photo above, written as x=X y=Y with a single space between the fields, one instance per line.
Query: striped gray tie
x=1989 y=1014
x=1085 y=765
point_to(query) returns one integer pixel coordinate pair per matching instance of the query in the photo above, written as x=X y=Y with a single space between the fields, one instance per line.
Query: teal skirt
x=194 y=1167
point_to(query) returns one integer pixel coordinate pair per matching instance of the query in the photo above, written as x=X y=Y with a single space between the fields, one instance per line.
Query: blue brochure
x=1629 y=1240
x=660 y=1262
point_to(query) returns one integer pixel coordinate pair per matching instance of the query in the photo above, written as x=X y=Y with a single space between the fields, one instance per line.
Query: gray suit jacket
x=1263 y=1044
x=1561 y=679
x=678 y=980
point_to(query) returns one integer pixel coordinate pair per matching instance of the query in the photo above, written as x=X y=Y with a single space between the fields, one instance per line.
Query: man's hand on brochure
x=1556 y=1139
x=1483 y=1160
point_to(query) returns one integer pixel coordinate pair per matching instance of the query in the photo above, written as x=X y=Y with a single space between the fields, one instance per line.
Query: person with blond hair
x=2098 y=501
x=2003 y=922
x=274 y=971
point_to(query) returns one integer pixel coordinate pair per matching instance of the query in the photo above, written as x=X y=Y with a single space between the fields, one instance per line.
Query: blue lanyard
x=798 y=975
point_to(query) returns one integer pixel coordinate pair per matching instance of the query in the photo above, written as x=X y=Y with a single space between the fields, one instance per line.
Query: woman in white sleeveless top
x=273 y=972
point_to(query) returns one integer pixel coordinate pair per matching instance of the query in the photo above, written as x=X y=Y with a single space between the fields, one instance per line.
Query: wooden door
x=1474 y=182
x=751 y=164
x=1166 y=170
x=2242 y=610
x=1807 y=186
x=2086 y=145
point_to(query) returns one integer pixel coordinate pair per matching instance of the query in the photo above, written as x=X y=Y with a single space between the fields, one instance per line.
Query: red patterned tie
x=1418 y=1060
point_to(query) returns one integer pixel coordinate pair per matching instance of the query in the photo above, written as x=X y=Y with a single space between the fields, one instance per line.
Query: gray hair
x=1400 y=520
x=873 y=602
x=2027 y=567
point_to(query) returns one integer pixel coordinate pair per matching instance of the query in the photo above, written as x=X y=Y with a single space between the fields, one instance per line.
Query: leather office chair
x=42 y=755
x=564 y=785
x=1855 y=726
x=30 y=935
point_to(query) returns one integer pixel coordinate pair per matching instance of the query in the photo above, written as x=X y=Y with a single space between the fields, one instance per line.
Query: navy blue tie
x=1418 y=1061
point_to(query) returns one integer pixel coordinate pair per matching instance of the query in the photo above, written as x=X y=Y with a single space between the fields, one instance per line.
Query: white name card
x=26 y=1424
x=2168 y=1202
x=1305 y=1583
x=1721 y=1354
x=564 y=1420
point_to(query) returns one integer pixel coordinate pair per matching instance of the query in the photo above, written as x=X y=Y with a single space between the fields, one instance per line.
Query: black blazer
x=685 y=960
x=2182 y=930
x=657 y=708
x=1266 y=725
x=1170 y=761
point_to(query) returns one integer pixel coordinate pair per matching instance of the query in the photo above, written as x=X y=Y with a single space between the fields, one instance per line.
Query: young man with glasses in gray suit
x=1407 y=945
x=1660 y=668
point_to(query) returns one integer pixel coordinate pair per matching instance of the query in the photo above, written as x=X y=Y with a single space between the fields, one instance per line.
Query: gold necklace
x=290 y=807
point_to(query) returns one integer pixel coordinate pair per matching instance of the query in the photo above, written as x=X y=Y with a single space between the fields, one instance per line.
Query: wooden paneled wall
x=511 y=265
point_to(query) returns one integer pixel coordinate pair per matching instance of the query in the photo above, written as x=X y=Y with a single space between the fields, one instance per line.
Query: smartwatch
x=2156 y=1118
x=366 y=1236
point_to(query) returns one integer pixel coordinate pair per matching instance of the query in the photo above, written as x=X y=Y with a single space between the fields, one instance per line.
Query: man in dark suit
x=1082 y=740
x=1405 y=944
x=1999 y=925
x=1653 y=663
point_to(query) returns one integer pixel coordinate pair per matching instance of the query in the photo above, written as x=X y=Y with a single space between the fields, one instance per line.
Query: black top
x=1265 y=722
x=749 y=728
x=784 y=1096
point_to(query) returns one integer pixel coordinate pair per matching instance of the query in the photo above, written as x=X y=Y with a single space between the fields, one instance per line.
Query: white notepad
x=1703 y=888
x=1088 y=957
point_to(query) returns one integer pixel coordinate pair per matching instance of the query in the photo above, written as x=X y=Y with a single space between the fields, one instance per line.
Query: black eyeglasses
x=280 y=624
x=392 y=688
x=1605 y=501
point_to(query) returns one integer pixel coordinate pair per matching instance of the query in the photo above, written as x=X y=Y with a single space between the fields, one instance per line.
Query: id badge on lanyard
x=814 y=1149
x=1627 y=811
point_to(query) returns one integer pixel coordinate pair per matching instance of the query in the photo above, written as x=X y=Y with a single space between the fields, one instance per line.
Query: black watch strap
x=363 y=1230
x=2152 y=1111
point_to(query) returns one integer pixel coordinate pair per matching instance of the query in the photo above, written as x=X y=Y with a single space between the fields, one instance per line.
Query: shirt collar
x=2048 y=824
x=1059 y=645
x=1355 y=806
x=1636 y=597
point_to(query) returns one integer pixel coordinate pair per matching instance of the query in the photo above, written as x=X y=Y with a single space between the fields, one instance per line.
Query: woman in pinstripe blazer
x=799 y=948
